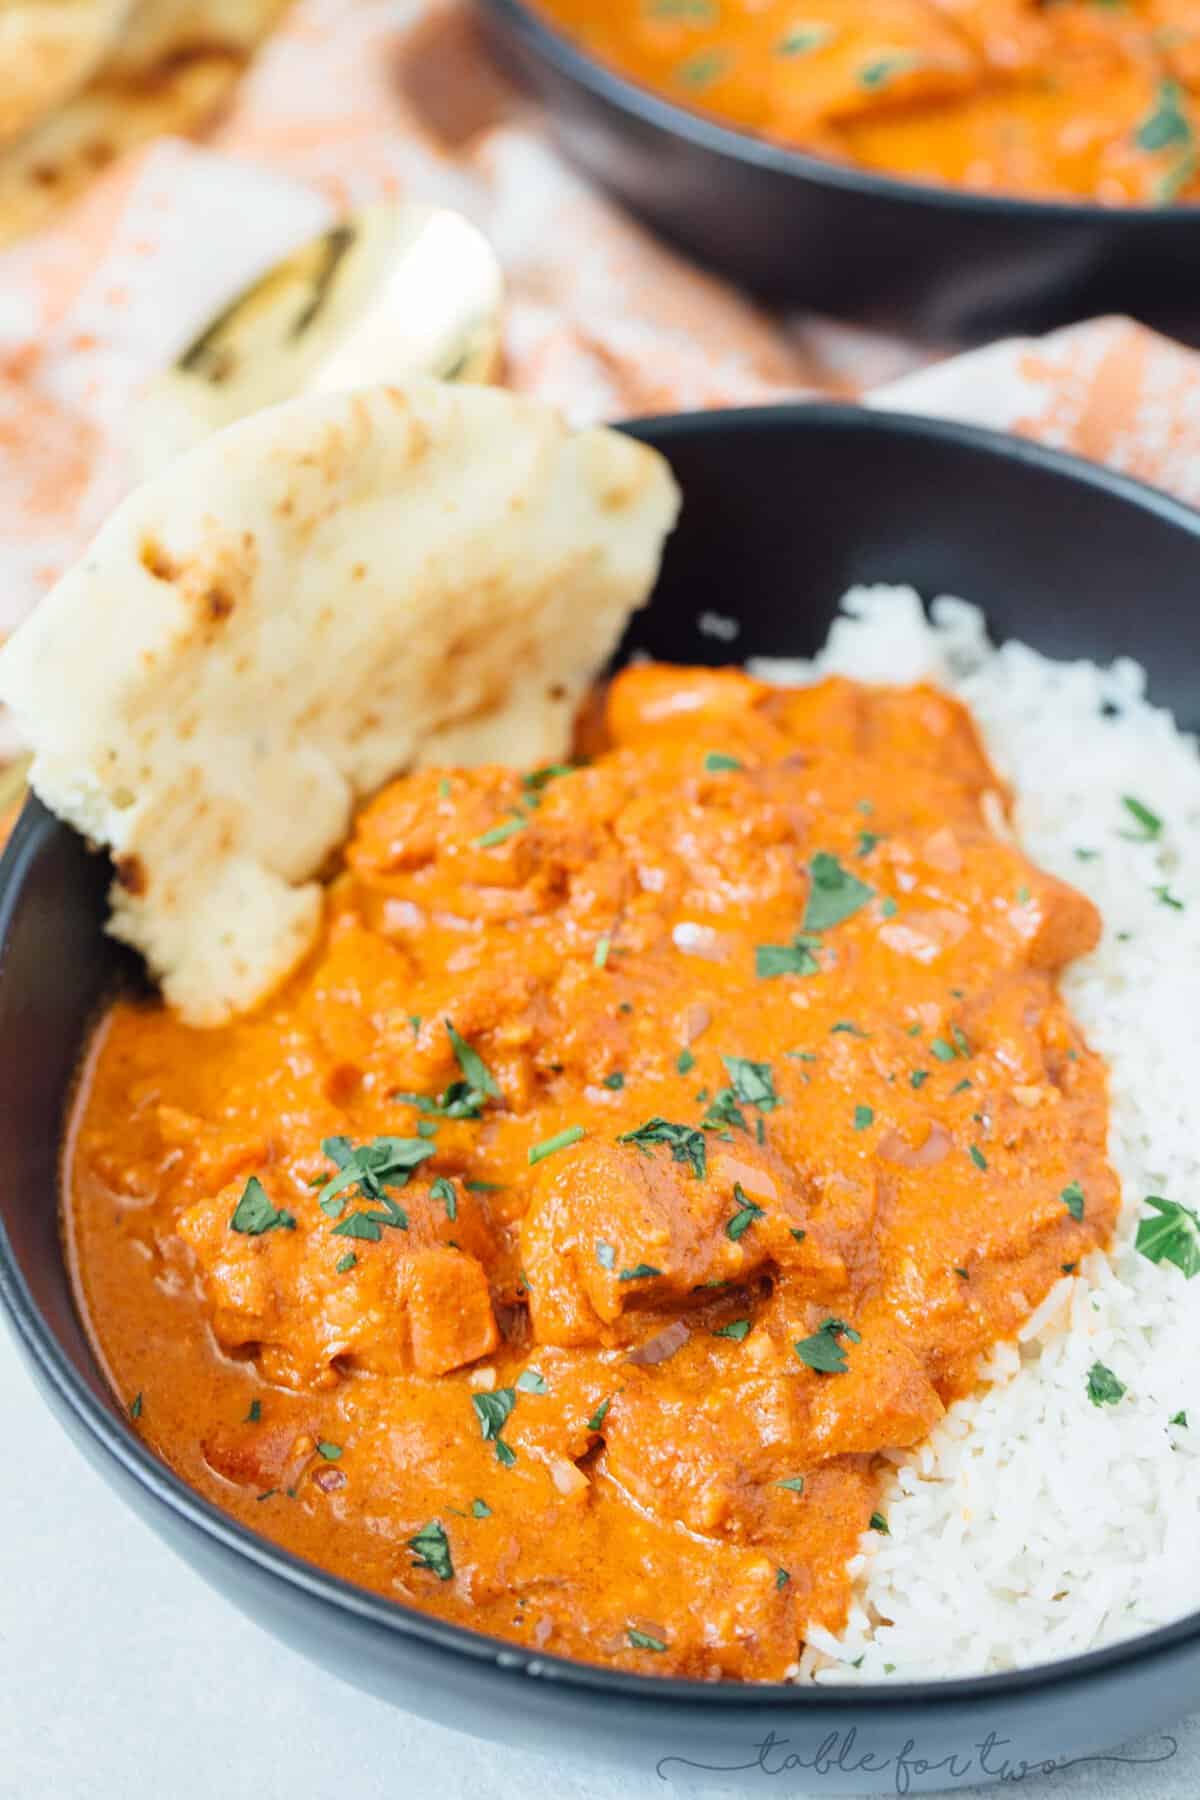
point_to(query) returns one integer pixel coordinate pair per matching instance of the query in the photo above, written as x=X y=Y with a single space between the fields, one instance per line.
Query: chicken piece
x=617 y=1226
x=883 y=1401
x=406 y=1300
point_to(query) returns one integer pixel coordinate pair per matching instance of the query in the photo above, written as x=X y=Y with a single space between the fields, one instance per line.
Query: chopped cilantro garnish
x=753 y=1082
x=834 y=894
x=443 y=1190
x=699 y=71
x=255 y=1214
x=781 y=1579
x=484 y=1187
x=331 y=1452
x=1103 y=1388
x=822 y=1351
x=744 y=1217
x=803 y=39
x=372 y=1167
x=492 y=1411
x=878 y=73
x=942 y=1050
x=977 y=1157
x=867 y=841
x=480 y=1509
x=562 y=1140
x=135 y=1406
x=531 y=1381
x=472 y=1065
x=737 y=1329
x=796 y=958
x=1072 y=1199
x=1151 y=824
x=431 y=1550
x=499 y=834
x=1179 y=1418
x=1168 y=125
x=685 y=1142
x=716 y=762
x=345 y=1263
x=1165 y=897
x=685 y=1062
x=847 y=1028
x=863 y=1117
x=254 y=1414
x=600 y=953
x=596 y=1422
x=643 y=1272
x=794 y=1484
x=1173 y=1236
x=880 y=1524
x=918 y=1078
x=615 y=1081
x=358 y=1225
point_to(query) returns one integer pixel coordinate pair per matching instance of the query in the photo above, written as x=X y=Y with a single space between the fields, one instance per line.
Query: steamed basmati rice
x=1033 y=1524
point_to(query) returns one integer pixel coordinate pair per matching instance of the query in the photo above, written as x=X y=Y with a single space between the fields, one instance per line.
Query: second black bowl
x=939 y=263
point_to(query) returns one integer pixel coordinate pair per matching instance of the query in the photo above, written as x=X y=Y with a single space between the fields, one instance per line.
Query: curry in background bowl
x=1074 y=100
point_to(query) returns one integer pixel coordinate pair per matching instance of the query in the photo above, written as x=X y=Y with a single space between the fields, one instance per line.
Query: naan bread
x=171 y=69
x=48 y=49
x=313 y=600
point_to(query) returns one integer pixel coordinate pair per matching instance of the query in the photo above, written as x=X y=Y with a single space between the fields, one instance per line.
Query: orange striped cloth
x=354 y=99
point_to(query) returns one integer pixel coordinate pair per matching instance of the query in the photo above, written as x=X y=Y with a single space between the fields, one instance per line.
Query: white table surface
x=122 y=1674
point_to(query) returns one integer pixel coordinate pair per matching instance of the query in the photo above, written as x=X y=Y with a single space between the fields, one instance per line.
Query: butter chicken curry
x=1053 y=99
x=649 y=1145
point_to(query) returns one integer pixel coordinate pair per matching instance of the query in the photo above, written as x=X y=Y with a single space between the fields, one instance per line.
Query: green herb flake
x=254 y=1414
x=531 y=1381
x=1173 y=1236
x=737 y=1329
x=345 y=1263
x=1103 y=1388
x=484 y=1187
x=596 y=1422
x=1167 y=125
x=977 y=1157
x=796 y=958
x=500 y=834
x=802 y=40
x=492 y=1410
x=643 y=1272
x=372 y=1167
x=615 y=1081
x=1150 y=823
x=867 y=841
x=702 y=70
x=358 y=1225
x=443 y=1190
x=834 y=894
x=745 y=1216
x=1180 y=1419
x=642 y=1640
x=600 y=954
x=880 y=1524
x=781 y=1579
x=1072 y=1199
x=918 y=1078
x=480 y=1509
x=431 y=1550
x=753 y=1082
x=255 y=1214
x=864 y=1116
x=942 y=1050
x=823 y=1351
x=1165 y=897
x=331 y=1452
x=685 y=1062
x=877 y=74
x=472 y=1064
x=562 y=1140
x=685 y=1143
x=717 y=763
x=135 y=1406
x=794 y=1484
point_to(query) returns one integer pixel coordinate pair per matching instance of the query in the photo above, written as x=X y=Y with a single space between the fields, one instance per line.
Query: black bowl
x=784 y=509
x=939 y=263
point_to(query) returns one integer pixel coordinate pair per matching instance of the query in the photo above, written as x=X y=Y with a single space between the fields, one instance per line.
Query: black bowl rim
x=107 y=1425
x=707 y=133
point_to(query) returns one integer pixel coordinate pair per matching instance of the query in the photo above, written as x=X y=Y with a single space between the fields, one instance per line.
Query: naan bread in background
x=312 y=601
x=172 y=67
x=48 y=49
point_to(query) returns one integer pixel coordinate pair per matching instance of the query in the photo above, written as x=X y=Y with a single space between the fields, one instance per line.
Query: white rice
x=1033 y=1524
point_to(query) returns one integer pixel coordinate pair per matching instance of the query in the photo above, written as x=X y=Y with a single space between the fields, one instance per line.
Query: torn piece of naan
x=312 y=601
x=170 y=69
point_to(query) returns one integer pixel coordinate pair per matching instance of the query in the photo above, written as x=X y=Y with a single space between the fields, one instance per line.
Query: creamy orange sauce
x=1067 y=99
x=726 y=1110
